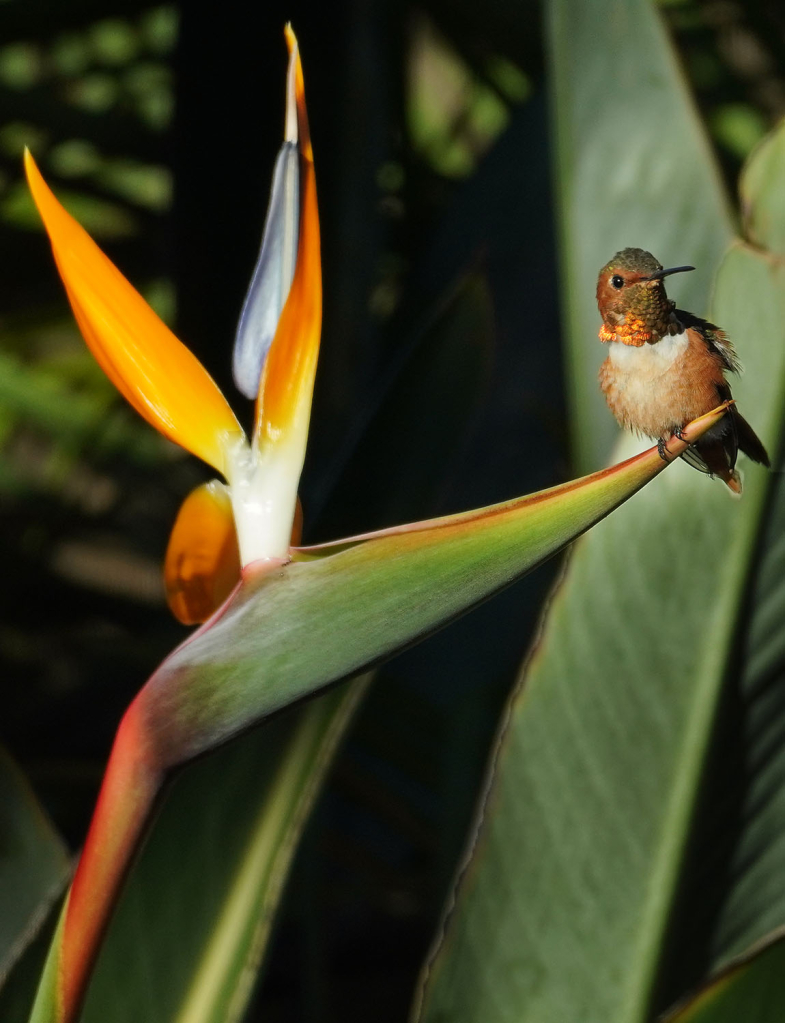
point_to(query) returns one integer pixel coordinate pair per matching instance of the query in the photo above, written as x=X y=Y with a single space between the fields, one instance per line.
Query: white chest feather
x=656 y=388
x=648 y=361
x=643 y=379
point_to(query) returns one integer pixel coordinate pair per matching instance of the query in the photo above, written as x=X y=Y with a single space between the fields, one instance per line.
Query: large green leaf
x=34 y=864
x=19 y=986
x=195 y=918
x=600 y=885
x=752 y=991
x=633 y=169
x=762 y=195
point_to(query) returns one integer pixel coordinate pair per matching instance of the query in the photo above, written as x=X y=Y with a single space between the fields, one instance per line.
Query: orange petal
x=286 y=389
x=202 y=564
x=157 y=374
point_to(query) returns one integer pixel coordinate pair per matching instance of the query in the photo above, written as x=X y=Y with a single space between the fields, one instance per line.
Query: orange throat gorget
x=632 y=333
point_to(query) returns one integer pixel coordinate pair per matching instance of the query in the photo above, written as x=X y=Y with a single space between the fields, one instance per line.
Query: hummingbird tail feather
x=749 y=442
x=733 y=480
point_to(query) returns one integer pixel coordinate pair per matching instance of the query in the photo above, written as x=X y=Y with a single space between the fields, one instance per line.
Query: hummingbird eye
x=617 y=281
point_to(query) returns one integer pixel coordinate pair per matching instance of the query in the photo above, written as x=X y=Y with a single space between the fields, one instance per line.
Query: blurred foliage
x=157 y=125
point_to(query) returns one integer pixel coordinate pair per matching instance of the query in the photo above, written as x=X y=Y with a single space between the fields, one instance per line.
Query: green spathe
x=290 y=630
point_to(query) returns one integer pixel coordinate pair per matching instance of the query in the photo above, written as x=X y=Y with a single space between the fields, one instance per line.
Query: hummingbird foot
x=679 y=432
x=663 y=450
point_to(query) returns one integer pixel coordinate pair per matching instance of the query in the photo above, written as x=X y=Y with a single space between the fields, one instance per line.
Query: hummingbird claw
x=663 y=450
x=679 y=432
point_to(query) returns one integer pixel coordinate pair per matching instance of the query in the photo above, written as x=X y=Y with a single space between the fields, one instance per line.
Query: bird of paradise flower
x=251 y=517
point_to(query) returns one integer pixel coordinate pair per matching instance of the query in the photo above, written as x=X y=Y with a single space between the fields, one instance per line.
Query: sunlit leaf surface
x=611 y=872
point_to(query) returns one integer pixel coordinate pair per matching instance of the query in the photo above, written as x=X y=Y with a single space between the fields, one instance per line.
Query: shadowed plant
x=626 y=865
x=283 y=622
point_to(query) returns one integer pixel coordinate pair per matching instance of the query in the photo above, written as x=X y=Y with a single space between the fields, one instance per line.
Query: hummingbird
x=665 y=367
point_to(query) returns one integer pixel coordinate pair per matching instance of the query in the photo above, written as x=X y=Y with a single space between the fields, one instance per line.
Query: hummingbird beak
x=665 y=273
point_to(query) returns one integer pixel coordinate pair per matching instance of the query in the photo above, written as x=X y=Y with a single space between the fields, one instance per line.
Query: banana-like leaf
x=633 y=169
x=20 y=984
x=34 y=864
x=762 y=197
x=753 y=991
x=196 y=915
x=287 y=632
x=632 y=837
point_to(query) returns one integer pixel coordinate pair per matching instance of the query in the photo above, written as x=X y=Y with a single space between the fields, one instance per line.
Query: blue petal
x=272 y=276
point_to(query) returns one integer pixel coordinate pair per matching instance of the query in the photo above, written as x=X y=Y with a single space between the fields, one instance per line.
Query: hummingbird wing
x=716 y=451
x=716 y=338
x=691 y=457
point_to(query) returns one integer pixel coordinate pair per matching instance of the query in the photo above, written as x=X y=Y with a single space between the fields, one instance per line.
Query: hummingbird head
x=631 y=297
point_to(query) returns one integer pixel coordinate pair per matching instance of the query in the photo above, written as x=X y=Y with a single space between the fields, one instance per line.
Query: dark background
x=439 y=385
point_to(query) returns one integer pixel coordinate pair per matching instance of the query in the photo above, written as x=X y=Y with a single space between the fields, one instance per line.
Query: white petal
x=272 y=276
